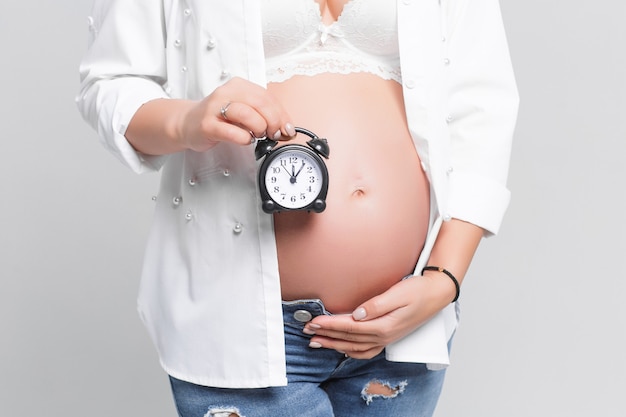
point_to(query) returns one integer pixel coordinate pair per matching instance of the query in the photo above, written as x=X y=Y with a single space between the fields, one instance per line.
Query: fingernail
x=315 y=326
x=291 y=131
x=308 y=331
x=277 y=135
x=315 y=345
x=359 y=314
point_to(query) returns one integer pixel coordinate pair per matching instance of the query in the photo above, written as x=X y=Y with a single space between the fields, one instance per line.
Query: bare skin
x=331 y=9
x=373 y=229
x=405 y=305
x=375 y=176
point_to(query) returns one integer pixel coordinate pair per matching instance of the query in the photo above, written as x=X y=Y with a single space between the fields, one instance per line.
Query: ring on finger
x=224 y=109
x=253 y=137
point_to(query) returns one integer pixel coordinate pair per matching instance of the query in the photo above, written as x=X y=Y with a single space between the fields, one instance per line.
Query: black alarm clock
x=293 y=176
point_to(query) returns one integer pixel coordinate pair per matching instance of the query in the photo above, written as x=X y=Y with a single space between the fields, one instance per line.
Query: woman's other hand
x=383 y=319
x=405 y=306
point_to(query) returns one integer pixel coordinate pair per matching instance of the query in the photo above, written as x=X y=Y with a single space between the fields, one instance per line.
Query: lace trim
x=330 y=64
x=328 y=51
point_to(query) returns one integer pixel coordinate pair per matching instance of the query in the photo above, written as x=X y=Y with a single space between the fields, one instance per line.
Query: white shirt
x=210 y=292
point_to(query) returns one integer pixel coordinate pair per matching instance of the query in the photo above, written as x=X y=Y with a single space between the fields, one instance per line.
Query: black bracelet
x=448 y=273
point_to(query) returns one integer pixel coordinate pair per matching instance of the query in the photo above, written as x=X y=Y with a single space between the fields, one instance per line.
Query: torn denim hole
x=380 y=389
x=223 y=412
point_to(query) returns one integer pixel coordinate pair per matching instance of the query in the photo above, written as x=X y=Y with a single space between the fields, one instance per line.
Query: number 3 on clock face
x=293 y=177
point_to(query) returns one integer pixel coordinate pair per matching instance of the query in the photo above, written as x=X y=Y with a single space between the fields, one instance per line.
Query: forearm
x=155 y=127
x=454 y=249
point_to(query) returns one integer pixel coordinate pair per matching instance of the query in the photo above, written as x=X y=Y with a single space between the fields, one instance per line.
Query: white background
x=542 y=331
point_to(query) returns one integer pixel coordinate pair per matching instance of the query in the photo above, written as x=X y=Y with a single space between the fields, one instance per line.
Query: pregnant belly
x=374 y=227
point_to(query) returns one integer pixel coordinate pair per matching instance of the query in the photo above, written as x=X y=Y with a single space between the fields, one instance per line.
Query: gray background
x=542 y=328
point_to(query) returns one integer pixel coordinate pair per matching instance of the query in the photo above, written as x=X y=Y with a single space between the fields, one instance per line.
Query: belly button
x=358 y=191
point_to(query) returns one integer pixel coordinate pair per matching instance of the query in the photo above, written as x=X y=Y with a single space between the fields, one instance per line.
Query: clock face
x=294 y=177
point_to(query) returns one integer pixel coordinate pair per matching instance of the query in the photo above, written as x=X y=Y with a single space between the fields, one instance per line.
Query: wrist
x=158 y=127
x=447 y=284
x=178 y=124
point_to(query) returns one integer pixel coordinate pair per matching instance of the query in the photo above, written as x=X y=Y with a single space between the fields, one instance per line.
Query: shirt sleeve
x=123 y=68
x=482 y=106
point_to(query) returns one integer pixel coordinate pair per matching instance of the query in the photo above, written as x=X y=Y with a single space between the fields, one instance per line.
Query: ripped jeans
x=321 y=383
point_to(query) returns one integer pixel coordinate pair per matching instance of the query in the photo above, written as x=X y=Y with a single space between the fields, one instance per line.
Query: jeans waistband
x=314 y=306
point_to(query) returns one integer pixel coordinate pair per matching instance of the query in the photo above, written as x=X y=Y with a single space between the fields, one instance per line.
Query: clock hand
x=293 y=174
x=292 y=177
x=300 y=170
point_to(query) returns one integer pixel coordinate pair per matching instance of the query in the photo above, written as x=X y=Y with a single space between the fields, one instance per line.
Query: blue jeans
x=321 y=383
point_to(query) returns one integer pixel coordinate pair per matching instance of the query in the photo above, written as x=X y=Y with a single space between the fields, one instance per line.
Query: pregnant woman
x=347 y=312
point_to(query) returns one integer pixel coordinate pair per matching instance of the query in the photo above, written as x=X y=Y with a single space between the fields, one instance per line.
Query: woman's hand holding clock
x=238 y=111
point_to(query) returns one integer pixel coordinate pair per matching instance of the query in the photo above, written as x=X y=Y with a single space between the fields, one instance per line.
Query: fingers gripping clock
x=293 y=176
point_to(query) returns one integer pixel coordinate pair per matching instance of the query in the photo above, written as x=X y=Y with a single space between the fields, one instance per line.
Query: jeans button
x=302 y=316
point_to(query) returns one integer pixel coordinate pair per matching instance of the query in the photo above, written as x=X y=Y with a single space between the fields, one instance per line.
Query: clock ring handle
x=319 y=145
x=306 y=132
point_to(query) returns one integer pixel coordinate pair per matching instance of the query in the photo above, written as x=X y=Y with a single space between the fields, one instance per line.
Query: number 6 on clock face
x=293 y=176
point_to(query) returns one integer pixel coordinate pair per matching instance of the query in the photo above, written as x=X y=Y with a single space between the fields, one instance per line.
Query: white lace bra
x=363 y=39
